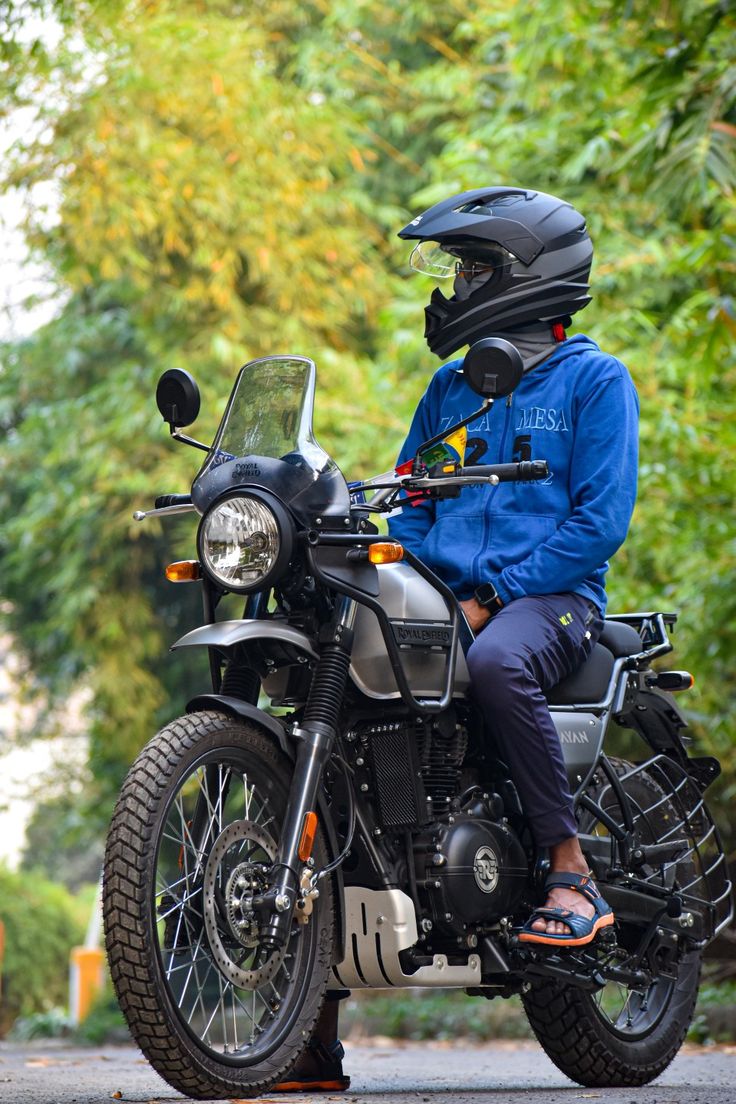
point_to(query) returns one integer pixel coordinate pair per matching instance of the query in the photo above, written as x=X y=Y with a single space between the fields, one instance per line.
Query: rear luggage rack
x=698 y=871
x=653 y=630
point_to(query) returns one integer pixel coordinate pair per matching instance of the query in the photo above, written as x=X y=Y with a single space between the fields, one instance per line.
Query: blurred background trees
x=227 y=179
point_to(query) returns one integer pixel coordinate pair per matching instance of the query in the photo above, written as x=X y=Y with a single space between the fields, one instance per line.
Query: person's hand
x=475 y=614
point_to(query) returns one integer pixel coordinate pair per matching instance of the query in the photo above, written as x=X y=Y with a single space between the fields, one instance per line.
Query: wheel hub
x=246 y=880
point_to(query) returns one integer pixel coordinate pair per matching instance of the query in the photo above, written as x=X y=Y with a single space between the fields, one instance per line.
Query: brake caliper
x=308 y=894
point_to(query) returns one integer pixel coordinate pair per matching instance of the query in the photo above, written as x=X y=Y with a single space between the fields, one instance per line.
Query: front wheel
x=192 y=840
x=622 y=1036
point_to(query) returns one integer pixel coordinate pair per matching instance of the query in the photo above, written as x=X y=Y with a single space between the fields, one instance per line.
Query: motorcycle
x=329 y=815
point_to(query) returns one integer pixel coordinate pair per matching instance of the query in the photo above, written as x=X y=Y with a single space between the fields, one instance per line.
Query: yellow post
x=2 y=955
x=86 y=978
x=87 y=967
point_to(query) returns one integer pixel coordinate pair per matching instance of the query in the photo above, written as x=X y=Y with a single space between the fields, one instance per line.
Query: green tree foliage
x=64 y=840
x=41 y=927
x=208 y=213
x=230 y=177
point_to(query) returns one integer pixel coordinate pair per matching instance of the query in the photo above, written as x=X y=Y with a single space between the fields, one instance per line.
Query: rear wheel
x=193 y=837
x=621 y=1035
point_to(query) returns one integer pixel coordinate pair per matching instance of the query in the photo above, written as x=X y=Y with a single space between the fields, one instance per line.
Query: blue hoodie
x=578 y=410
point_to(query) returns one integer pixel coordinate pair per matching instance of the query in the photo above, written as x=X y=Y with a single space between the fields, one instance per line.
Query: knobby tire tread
x=132 y=961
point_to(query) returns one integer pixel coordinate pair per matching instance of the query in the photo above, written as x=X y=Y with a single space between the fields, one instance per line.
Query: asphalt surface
x=393 y=1073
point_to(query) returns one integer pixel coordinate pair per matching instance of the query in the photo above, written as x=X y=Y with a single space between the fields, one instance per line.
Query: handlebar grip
x=172 y=500
x=509 y=473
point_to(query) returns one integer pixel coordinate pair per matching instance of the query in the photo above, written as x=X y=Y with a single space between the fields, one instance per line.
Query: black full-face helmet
x=518 y=257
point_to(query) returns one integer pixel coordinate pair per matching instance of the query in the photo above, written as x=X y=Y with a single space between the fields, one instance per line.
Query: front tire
x=620 y=1037
x=193 y=834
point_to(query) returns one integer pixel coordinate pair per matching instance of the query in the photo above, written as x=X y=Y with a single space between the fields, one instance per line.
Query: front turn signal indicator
x=385 y=552
x=185 y=571
x=309 y=831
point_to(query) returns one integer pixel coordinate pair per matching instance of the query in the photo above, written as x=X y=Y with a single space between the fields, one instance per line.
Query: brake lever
x=424 y=481
x=164 y=511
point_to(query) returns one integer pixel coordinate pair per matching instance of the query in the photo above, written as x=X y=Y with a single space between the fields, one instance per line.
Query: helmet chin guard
x=547 y=253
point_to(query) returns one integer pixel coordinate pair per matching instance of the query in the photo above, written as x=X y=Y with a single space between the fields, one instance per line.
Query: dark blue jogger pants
x=527 y=648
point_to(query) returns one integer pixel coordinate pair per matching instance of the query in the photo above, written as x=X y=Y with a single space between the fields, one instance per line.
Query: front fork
x=316 y=737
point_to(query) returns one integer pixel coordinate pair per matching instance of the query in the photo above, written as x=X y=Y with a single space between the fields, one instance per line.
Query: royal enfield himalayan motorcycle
x=329 y=815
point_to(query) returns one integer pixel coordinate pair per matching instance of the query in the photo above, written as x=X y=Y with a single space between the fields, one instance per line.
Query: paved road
x=415 y=1073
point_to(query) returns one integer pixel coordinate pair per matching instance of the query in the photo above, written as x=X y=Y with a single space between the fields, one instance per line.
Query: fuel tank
x=421 y=617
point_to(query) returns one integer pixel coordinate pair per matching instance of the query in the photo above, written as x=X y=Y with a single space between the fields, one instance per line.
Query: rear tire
x=177 y=851
x=630 y=1049
x=574 y=1036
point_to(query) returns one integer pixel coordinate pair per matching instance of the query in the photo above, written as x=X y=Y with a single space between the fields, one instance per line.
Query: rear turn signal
x=309 y=831
x=384 y=552
x=185 y=571
x=673 y=680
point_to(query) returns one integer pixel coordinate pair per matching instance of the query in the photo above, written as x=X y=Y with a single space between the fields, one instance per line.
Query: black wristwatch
x=487 y=596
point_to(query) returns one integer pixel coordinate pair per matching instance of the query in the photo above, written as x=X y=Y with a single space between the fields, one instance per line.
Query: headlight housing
x=245 y=541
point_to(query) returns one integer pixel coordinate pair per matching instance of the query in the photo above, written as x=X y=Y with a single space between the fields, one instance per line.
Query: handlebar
x=385 y=488
x=508 y=473
x=524 y=471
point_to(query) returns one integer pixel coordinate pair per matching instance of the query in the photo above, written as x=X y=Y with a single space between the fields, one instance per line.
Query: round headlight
x=242 y=540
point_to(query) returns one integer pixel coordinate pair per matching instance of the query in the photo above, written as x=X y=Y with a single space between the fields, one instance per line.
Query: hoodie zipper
x=508 y=417
x=509 y=400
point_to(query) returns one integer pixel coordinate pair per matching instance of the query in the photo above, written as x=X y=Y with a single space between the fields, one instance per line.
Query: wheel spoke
x=222 y=1009
x=235 y=1018
x=180 y=904
x=169 y=887
x=214 y=825
x=214 y=1013
x=186 y=835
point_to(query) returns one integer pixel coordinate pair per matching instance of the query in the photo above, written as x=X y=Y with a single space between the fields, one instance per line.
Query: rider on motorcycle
x=527 y=562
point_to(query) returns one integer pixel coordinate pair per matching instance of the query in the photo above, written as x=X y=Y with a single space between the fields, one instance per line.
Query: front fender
x=223 y=634
x=272 y=726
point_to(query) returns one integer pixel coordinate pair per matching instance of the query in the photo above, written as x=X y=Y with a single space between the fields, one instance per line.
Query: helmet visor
x=433 y=260
x=444 y=261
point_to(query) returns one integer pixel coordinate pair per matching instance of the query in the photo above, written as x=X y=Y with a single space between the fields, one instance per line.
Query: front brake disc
x=227 y=877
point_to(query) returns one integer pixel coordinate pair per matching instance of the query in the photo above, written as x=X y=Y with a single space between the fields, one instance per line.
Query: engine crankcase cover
x=483 y=873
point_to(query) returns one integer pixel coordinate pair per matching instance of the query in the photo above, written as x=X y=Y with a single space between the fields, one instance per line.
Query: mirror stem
x=487 y=404
x=187 y=440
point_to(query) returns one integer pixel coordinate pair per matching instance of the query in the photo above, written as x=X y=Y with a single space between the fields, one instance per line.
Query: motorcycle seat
x=591 y=680
x=620 y=639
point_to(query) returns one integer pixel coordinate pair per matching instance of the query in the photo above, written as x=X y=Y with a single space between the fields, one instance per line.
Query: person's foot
x=560 y=897
x=576 y=926
x=574 y=912
x=566 y=857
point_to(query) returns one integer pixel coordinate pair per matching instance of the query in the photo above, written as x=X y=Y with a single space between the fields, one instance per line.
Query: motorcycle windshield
x=269 y=413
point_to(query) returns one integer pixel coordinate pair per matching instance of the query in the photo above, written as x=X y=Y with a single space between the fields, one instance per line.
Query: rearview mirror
x=493 y=367
x=177 y=397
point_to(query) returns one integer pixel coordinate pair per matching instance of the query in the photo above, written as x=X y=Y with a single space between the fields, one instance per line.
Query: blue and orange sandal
x=583 y=929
